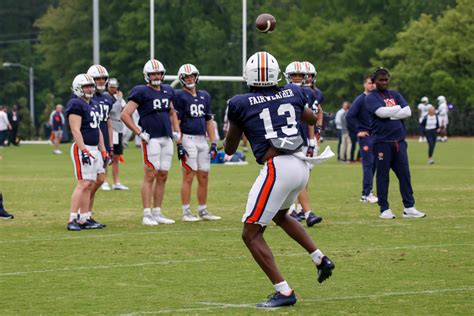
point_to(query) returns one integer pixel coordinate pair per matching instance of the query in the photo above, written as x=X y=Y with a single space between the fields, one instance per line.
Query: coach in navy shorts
x=388 y=108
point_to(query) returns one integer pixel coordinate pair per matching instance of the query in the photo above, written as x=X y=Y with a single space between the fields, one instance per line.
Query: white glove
x=176 y=136
x=144 y=136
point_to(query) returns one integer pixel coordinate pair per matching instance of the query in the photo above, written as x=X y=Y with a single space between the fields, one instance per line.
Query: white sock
x=146 y=212
x=202 y=207
x=306 y=214
x=317 y=256
x=283 y=288
x=88 y=215
x=72 y=217
x=299 y=208
x=156 y=211
x=185 y=207
x=83 y=217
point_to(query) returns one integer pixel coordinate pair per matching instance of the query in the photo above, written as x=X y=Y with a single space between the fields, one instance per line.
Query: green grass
x=382 y=267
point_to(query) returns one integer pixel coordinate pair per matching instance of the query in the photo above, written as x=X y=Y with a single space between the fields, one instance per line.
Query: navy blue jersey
x=385 y=129
x=193 y=111
x=319 y=96
x=90 y=114
x=267 y=113
x=105 y=102
x=311 y=101
x=154 y=109
x=358 y=118
x=57 y=121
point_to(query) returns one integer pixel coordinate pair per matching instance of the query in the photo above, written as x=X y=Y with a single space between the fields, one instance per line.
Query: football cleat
x=93 y=221
x=73 y=225
x=412 y=212
x=277 y=300
x=371 y=198
x=206 y=216
x=149 y=221
x=325 y=269
x=301 y=215
x=295 y=215
x=5 y=215
x=88 y=224
x=119 y=186
x=189 y=217
x=161 y=219
x=105 y=186
x=387 y=214
x=313 y=219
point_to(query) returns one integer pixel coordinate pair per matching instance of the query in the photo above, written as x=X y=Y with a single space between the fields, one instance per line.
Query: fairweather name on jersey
x=288 y=93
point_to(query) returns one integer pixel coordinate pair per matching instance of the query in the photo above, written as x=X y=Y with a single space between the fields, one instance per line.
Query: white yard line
x=167 y=262
x=216 y=305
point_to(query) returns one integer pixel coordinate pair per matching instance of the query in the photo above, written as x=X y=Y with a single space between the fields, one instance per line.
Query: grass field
x=382 y=267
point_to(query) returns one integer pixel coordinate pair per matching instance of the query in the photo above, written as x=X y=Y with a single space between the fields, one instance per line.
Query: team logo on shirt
x=389 y=102
x=366 y=148
x=380 y=156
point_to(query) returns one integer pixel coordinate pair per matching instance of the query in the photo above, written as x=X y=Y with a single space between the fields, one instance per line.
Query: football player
x=158 y=125
x=423 y=108
x=296 y=73
x=269 y=116
x=195 y=118
x=88 y=152
x=443 y=112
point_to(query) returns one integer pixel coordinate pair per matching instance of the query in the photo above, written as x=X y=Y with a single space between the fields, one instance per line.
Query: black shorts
x=118 y=148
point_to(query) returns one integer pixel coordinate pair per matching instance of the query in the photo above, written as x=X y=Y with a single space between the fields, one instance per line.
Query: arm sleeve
x=402 y=114
x=387 y=112
x=337 y=119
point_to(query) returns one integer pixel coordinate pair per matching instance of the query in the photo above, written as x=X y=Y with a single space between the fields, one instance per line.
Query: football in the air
x=265 y=23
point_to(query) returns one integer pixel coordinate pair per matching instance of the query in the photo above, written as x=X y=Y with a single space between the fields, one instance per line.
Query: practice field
x=402 y=266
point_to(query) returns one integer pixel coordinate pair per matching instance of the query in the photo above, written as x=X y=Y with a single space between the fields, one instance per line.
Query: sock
x=185 y=207
x=202 y=207
x=88 y=215
x=146 y=212
x=283 y=288
x=156 y=211
x=82 y=217
x=72 y=217
x=306 y=214
x=299 y=208
x=317 y=256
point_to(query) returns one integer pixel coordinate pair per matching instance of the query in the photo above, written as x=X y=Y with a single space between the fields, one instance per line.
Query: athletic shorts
x=158 y=153
x=443 y=121
x=58 y=134
x=280 y=181
x=198 y=152
x=86 y=171
x=117 y=141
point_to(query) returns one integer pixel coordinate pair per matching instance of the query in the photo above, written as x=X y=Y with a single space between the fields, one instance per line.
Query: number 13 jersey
x=267 y=113
x=154 y=107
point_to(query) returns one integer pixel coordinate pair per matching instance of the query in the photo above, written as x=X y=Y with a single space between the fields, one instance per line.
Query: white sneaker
x=412 y=212
x=149 y=221
x=57 y=152
x=420 y=139
x=189 y=217
x=161 y=219
x=119 y=186
x=371 y=198
x=387 y=214
x=430 y=161
x=206 y=216
x=105 y=186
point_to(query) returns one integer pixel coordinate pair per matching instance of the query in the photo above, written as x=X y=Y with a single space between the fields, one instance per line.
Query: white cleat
x=161 y=219
x=105 y=186
x=119 y=186
x=57 y=152
x=412 y=212
x=189 y=217
x=371 y=198
x=149 y=221
x=206 y=216
x=387 y=214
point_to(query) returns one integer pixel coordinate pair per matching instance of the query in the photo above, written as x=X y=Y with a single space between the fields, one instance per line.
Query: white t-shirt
x=3 y=121
x=338 y=118
x=431 y=121
x=423 y=108
x=443 y=114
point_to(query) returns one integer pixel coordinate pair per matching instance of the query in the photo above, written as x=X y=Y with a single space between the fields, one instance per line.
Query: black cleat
x=5 y=215
x=313 y=219
x=295 y=216
x=93 y=221
x=301 y=216
x=73 y=225
x=325 y=269
x=277 y=300
x=88 y=224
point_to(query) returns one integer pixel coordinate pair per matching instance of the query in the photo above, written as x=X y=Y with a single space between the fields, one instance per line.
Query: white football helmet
x=310 y=70
x=187 y=70
x=262 y=70
x=441 y=99
x=153 y=66
x=295 y=67
x=98 y=71
x=80 y=81
x=425 y=100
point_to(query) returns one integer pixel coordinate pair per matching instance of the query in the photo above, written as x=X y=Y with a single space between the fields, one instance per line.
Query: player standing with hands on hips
x=388 y=108
x=195 y=119
x=158 y=126
x=269 y=116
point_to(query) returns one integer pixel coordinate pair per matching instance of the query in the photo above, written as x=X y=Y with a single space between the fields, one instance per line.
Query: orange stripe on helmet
x=262 y=67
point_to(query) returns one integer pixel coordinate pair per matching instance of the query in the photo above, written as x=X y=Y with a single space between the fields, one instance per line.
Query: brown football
x=265 y=23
